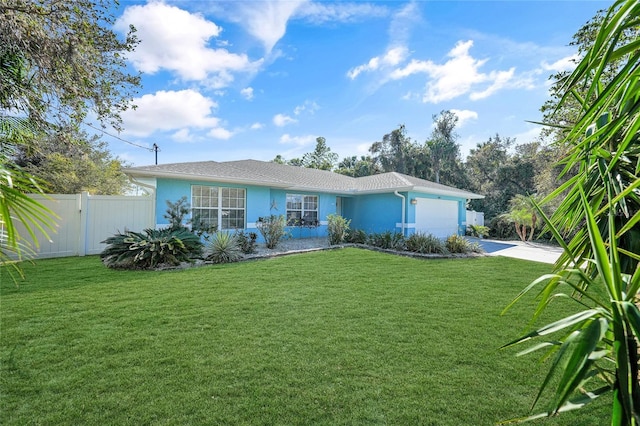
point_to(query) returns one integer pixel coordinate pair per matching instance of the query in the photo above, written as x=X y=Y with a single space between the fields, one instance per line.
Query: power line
x=155 y=148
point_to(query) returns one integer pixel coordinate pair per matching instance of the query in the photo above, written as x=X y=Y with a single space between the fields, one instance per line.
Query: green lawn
x=346 y=336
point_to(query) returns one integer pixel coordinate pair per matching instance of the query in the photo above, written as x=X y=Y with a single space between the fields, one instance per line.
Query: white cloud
x=220 y=133
x=413 y=67
x=297 y=140
x=247 y=92
x=282 y=120
x=464 y=116
x=457 y=76
x=266 y=20
x=403 y=22
x=309 y=106
x=500 y=80
x=392 y=57
x=568 y=63
x=176 y=40
x=373 y=64
x=182 y=135
x=319 y=12
x=170 y=110
x=257 y=126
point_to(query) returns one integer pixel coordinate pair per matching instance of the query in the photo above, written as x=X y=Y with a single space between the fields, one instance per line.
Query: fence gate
x=86 y=220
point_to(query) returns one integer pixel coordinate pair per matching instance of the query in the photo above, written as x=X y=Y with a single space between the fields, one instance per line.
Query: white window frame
x=220 y=201
x=308 y=211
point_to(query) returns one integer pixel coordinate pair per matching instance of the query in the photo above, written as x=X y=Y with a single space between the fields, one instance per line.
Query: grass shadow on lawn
x=345 y=336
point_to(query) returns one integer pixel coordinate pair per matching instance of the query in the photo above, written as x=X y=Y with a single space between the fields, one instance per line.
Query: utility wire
x=123 y=140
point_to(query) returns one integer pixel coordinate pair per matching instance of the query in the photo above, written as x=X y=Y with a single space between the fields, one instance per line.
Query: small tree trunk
x=521 y=231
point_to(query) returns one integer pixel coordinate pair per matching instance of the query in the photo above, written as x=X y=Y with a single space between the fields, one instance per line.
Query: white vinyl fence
x=86 y=220
x=475 y=218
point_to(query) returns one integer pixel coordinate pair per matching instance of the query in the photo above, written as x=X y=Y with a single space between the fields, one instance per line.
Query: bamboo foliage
x=605 y=142
x=595 y=351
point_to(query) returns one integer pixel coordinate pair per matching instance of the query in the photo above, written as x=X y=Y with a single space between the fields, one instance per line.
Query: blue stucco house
x=233 y=195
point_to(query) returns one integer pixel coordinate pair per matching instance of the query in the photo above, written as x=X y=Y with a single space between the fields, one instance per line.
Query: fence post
x=83 y=199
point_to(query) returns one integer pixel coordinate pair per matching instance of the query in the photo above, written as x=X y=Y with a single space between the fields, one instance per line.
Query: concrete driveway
x=521 y=250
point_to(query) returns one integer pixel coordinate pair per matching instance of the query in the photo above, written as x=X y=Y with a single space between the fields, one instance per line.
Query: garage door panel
x=437 y=217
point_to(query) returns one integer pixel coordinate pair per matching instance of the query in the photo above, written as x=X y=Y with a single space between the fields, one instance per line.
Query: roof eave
x=383 y=190
x=453 y=193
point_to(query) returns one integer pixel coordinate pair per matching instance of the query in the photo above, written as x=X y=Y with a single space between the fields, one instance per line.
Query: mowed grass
x=347 y=336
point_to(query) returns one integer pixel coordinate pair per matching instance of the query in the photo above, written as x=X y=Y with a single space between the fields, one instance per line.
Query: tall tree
x=321 y=158
x=393 y=153
x=444 y=152
x=279 y=159
x=357 y=167
x=484 y=165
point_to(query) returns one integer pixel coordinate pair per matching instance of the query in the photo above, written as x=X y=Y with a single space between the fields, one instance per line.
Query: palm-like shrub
x=479 y=231
x=356 y=236
x=388 y=240
x=224 y=248
x=423 y=243
x=272 y=229
x=150 y=249
x=595 y=350
x=457 y=244
x=337 y=228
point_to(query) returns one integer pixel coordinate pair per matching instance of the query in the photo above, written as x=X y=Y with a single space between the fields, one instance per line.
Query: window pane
x=311 y=202
x=208 y=217
x=213 y=199
x=294 y=202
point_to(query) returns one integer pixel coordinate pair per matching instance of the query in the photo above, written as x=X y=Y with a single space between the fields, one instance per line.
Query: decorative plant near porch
x=337 y=228
x=224 y=247
x=272 y=229
x=595 y=350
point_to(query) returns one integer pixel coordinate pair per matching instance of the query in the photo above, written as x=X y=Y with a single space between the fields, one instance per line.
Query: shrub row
x=416 y=243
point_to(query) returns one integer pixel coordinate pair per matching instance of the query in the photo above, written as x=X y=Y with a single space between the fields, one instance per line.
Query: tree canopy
x=70 y=161
x=59 y=60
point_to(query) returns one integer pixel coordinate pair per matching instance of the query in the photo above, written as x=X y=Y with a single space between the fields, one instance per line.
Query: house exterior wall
x=374 y=213
x=260 y=202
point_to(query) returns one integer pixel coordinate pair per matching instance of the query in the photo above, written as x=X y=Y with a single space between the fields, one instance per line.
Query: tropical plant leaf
x=556 y=326
x=575 y=362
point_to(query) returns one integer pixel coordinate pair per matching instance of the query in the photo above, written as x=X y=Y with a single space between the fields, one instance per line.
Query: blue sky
x=237 y=80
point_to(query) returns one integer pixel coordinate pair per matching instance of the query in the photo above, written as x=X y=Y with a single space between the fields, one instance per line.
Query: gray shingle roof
x=276 y=175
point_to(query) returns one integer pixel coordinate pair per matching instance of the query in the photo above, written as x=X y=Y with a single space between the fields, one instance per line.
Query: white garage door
x=437 y=217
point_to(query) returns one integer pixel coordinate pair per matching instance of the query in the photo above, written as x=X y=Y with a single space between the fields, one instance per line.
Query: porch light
x=414 y=201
